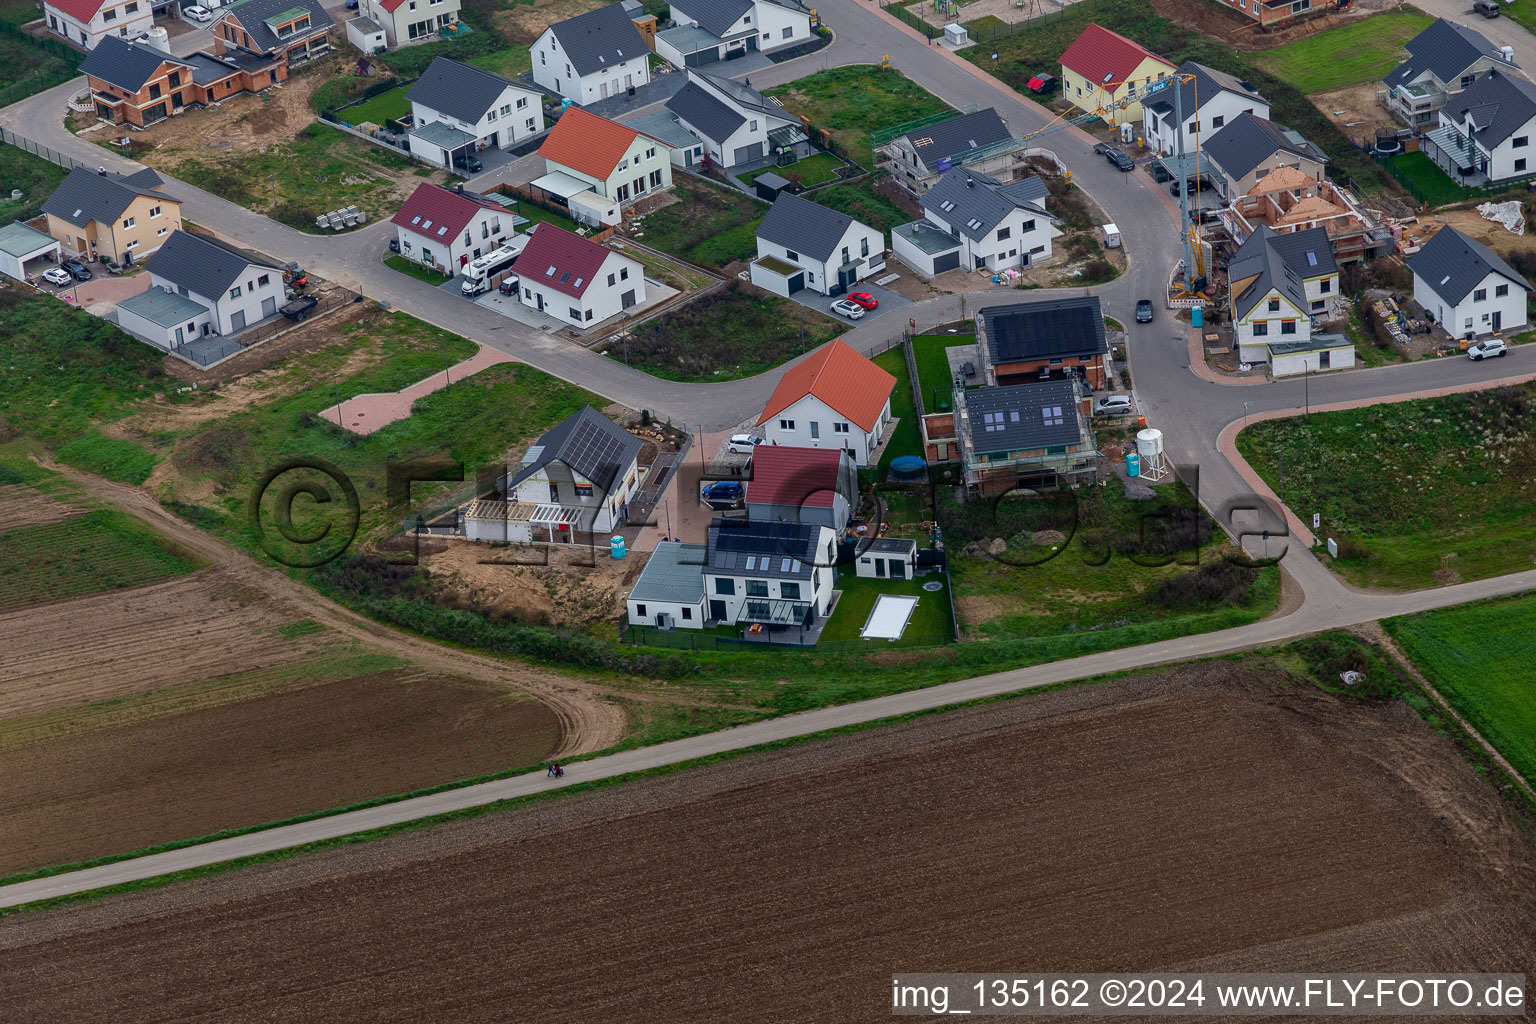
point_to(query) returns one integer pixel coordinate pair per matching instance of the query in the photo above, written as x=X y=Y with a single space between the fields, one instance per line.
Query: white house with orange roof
x=835 y=398
x=87 y=22
x=1104 y=70
x=586 y=152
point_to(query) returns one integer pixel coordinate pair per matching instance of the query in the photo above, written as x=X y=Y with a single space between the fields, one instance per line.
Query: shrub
x=1215 y=584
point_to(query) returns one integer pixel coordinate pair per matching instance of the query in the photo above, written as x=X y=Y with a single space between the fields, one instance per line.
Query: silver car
x=849 y=309
x=1112 y=405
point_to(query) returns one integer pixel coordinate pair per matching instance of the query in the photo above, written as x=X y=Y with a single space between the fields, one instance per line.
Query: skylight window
x=947 y=205
x=550 y=272
x=973 y=224
x=565 y=277
x=442 y=231
x=1051 y=415
x=991 y=421
x=1311 y=259
x=784 y=564
x=427 y=223
x=414 y=220
x=751 y=561
x=577 y=282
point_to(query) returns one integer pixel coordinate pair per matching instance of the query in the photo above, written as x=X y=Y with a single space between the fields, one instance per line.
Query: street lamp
x=336 y=394
x=443 y=344
x=1281 y=452
x=1246 y=407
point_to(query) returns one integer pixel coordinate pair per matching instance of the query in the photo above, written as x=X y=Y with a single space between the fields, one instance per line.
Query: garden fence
x=53 y=156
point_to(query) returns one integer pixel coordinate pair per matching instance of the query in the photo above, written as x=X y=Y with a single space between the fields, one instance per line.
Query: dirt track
x=1195 y=819
x=587 y=721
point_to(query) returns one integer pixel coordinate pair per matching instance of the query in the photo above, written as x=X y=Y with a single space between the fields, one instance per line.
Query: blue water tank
x=1197 y=316
x=908 y=467
x=1132 y=464
x=616 y=547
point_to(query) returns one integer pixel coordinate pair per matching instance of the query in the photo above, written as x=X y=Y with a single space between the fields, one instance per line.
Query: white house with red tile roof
x=835 y=398
x=445 y=228
x=577 y=281
x=802 y=485
x=1103 y=70
x=614 y=160
x=410 y=21
x=87 y=22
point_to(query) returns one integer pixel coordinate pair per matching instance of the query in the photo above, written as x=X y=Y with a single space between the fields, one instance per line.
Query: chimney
x=461 y=188
x=968 y=181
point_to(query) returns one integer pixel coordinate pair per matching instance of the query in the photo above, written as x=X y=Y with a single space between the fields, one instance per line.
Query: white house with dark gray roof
x=238 y=288
x=776 y=575
x=1278 y=282
x=592 y=56
x=670 y=591
x=1027 y=434
x=1485 y=132
x=1443 y=60
x=583 y=472
x=1209 y=99
x=990 y=225
x=1466 y=286
x=805 y=244
x=707 y=31
x=1249 y=147
x=474 y=107
x=738 y=126
x=980 y=141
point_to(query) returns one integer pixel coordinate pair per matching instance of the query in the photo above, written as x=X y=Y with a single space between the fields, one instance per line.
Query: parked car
x=1143 y=311
x=1487 y=8
x=467 y=162
x=864 y=299
x=851 y=310
x=1112 y=405
x=1120 y=159
x=1043 y=84
x=77 y=270
x=57 y=276
x=1205 y=216
x=197 y=12
x=723 y=495
x=1193 y=184
x=394 y=244
x=742 y=444
x=1487 y=349
x=509 y=286
x=351 y=5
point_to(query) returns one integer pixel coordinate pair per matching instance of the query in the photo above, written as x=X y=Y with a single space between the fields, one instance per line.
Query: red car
x=864 y=299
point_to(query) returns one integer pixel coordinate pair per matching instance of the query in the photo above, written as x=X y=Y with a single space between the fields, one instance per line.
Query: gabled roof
x=585 y=142
x=702 y=111
x=1248 y=140
x=459 y=90
x=1024 y=417
x=715 y=15
x=1049 y=329
x=974 y=203
x=1308 y=252
x=84 y=195
x=253 y=16
x=1101 y=56
x=129 y=66
x=1282 y=178
x=1453 y=264
x=561 y=260
x=433 y=208
x=743 y=97
x=765 y=550
x=798 y=477
x=957 y=135
x=845 y=381
x=1498 y=103
x=804 y=226
x=1205 y=85
x=1260 y=259
x=672 y=575
x=1445 y=50
x=81 y=10
x=599 y=39
x=204 y=265
x=588 y=442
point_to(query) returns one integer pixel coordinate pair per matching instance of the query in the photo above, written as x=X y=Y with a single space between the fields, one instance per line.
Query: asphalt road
x=1192 y=412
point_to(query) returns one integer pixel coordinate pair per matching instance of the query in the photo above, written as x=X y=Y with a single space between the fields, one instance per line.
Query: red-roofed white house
x=411 y=21
x=575 y=280
x=445 y=228
x=1103 y=68
x=802 y=485
x=86 y=22
x=835 y=398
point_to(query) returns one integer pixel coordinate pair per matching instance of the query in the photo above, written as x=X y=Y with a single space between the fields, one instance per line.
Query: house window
x=234 y=292
x=109 y=15
x=1520 y=142
x=752 y=125
x=789 y=591
x=528 y=124
x=724 y=586
x=1003 y=233
x=128 y=223
x=1317 y=305
x=264 y=280
x=132 y=8
x=790 y=254
x=789 y=32
x=1520 y=164
x=1288 y=327
x=162 y=232
x=757 y=588
x=839 y=428
x=1466 y=80
x=1501 y=290
x=1027 y=227
x=623 y=273
x=132 y=245
x=1479 y=295
x=864 y=246
x=845 y=254
x=610 y=280
x=1274 y=305
x=506 y=108
x=650 y=152
x=655 y=179
x=554 y=492
x=1217 y=122
x=1326 y=285
x=786 y=424
x=1260 y=328
x=815 y=429
x=575 y=314
x=687 y=613
x=588 y=317
x=583 y=490
x=522 y=103
x=154 y=211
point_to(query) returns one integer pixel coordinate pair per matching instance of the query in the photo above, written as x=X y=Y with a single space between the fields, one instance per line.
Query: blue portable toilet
x=616 y=547
x=1132 y=464
x=1197 y=316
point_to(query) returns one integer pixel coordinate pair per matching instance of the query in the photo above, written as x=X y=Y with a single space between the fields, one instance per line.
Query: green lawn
x=110 y=457
x=863 y=203
x=728 y=334
x=32 y=67
x=1363 y=50
x=385 y=106
x=36 y=177
x=397 y=262
x=509 y=63
x=102 y=550
x=1479 y=656
x=710 y=225
x=930 y=623
x=539 y=215
x=852 y=102
x=813 y=170
x=928 y=352
x=1417 y=493
x=908 y=439
x=1433 y=186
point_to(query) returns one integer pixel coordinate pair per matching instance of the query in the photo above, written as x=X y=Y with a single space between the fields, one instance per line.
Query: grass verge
x=1363 y=50
x=854 y=101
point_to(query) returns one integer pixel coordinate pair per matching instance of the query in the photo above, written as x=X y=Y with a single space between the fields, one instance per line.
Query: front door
x=1322 y=360
x=539 y=298
x=1498 y=320
x=898 y=569
x=717 y=610
x=603 y=88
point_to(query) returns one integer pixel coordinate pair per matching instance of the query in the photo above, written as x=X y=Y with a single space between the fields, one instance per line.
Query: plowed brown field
x=146 y=775
x=1201 y=817
x=21 y=505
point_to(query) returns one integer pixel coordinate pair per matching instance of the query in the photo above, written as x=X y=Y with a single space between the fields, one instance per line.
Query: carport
x=440 y=143
x=20 y=245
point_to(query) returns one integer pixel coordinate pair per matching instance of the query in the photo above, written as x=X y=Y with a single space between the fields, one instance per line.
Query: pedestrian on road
x=549 y=768
x=559 y=772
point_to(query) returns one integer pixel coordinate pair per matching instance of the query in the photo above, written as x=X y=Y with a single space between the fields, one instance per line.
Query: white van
x=480 y=275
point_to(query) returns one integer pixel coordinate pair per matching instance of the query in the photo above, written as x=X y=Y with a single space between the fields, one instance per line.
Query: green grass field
x=813 y=170
x=1358 y=51
x=88 y=554
x=908 y=438
x=930 y=622
x=509 y=63
x=1418 y=493
x=386 y=106
x=929 y=353
x=395 y=261
x=30 y=67
x=110 y=457
x=852 y=102
x=861 y=202
x=710 y=225
x=1433 y=186
x=1479 y=656
x=36 y=177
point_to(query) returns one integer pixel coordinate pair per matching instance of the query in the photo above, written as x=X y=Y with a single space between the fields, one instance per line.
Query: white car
x=742 y=444
x=57 y=276
x=1486 y=349
x=851 y=310
x=1112 y=405
x=197 y=12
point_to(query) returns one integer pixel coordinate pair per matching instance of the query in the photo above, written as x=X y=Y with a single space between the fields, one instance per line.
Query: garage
x=777 y=276
x=925 y=248
x=20 y=245
x=747 y=154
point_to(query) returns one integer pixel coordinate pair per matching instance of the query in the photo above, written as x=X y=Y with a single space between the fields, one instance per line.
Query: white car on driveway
x=851 y=310
x=1487 y=349
x=742 y=444
x=57 y=276
x=198 y=13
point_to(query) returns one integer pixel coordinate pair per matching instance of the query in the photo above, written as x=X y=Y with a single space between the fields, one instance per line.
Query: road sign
x=1317 y=520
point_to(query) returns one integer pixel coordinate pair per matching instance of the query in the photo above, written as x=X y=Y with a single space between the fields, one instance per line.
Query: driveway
x=888 y=300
